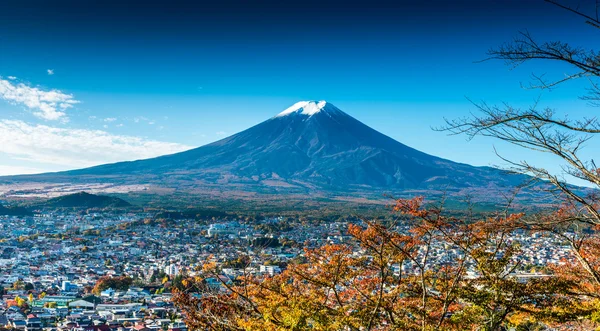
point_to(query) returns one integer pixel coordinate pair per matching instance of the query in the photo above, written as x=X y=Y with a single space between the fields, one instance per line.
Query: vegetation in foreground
x=386 y=280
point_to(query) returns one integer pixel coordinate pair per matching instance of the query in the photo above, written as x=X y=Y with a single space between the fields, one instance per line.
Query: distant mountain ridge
x=311 y=147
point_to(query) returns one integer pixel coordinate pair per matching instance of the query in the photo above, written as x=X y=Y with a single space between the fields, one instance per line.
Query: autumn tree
x=20 y=302
x=121 y=283
x=50 y=305
x=431 y=272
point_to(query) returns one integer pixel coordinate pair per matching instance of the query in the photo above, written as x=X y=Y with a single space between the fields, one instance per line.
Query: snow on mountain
x=306 y=108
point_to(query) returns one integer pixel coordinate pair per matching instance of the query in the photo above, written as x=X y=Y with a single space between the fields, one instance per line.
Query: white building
x=270 y=269
x=172 y=270
x=223 y=229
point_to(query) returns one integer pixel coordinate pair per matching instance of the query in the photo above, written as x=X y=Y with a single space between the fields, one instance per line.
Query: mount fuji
x=310 y=148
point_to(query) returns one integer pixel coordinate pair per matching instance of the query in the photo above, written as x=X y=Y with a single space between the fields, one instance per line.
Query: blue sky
x=86 y=85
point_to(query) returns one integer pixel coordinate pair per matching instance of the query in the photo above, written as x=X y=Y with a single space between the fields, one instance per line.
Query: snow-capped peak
x=308 y=108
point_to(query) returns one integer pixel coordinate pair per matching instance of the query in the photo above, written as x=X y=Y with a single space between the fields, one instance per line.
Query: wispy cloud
x=142 y=119
x=74 y=148
x=220 y=133
x=11 y=77
x=50 y=72
x=110 y=119
x=49 y=105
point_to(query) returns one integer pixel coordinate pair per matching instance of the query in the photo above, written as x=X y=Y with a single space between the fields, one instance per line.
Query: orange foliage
x=440 y=273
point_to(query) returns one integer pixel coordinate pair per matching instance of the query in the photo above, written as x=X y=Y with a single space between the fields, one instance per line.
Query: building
x=67 y=286
x=33 y=323
x=270 y=269
x=81 y=304
x=172 y=270
x=223 y=229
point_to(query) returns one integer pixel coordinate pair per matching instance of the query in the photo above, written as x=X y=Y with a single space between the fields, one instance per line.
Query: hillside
x=85 y=200
x=14 y=211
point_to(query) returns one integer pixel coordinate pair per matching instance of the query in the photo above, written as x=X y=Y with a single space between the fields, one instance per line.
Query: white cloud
x=220 y=133
x=49 y=105
x=110 y=119
x=140 y=119
x=11 y=77
x=75 y=148
x=50 y=72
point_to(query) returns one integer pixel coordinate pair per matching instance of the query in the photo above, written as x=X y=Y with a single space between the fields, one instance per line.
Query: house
x=107 y=293
x=18 y=324
x=140 y=327
x=13 y=313
x=34 y=323
x=82 y=304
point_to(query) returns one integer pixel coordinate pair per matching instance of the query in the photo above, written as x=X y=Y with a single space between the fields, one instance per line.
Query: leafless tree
x=542 y=129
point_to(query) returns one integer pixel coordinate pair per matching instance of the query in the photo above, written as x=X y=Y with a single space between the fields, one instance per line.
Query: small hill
x=14 y=211
x=86 y=200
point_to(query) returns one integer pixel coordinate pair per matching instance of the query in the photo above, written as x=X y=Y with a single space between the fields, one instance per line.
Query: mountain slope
x=311 y=146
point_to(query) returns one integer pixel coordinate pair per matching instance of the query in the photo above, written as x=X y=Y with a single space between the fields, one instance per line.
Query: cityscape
x=54 y=261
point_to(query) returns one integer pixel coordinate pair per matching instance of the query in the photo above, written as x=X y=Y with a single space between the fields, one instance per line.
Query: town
x=67 y=271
